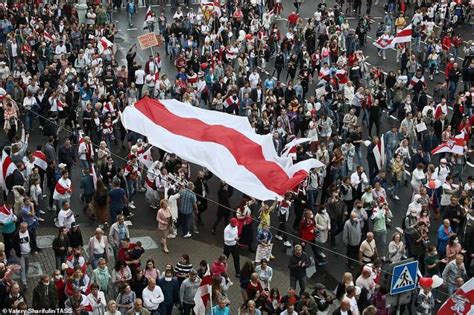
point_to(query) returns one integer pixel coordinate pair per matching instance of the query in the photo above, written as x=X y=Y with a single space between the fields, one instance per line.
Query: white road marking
x=132 y=29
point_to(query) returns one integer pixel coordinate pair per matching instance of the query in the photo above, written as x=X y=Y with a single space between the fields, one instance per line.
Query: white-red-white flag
x=93 y=174
x=461 y=302
x=8 y=167
x=145 y=158
x=148 y=17
x=40 y=160
x=203 y=294
x=403 y=36
x=103 y=44
x=225 y=144
x=48 y=37
x=290 y=147
x=379 y=153
x=454 y=145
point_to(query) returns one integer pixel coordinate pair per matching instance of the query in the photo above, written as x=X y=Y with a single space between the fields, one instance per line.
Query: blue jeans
x=28 y=120
x=452 y=89
x=25 y=266
x=184 y=221
x=132 y=188
x=312 y=198
x=302 y=283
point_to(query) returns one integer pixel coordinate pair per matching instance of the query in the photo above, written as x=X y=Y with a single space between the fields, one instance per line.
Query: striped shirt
x=182 y=270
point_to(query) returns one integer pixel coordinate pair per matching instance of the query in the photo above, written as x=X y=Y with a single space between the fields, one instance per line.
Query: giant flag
x=225 y=144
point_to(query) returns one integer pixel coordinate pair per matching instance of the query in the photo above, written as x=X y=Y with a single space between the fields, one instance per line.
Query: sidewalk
x=44 y=262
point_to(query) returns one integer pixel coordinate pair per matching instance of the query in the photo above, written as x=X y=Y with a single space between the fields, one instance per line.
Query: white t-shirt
x=25 y=247
x=140 y=76
x=66 y=218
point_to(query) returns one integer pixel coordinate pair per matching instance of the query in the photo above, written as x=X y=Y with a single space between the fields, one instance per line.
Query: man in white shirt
x=60 y=49
x=254 y=78
x=442 y=170
x=66 y=216
x=231 y=236
x=365 y=280
x=290 y=310
x=23 y=246
x=62 y=190
x=359 y=181
x=85 y=152
x=152 y=297
x=139 y=80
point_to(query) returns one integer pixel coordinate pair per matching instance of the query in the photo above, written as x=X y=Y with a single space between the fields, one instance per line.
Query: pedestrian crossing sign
x=404 y=277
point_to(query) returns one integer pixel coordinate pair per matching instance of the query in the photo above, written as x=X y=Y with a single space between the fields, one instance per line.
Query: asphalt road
x=145 y=217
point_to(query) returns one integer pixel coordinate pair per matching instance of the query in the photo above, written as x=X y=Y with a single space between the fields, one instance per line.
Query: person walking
x=351 y=236
x=187 y=206
x=60 y=247
x=24 y=245
x=299 y=261
x=231 y=238
x=164 y=218
x=118 y=232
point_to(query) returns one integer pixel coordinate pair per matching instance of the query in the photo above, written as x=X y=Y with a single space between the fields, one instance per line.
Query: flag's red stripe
x=403 y=33
x=6 y=164
x=246 y=152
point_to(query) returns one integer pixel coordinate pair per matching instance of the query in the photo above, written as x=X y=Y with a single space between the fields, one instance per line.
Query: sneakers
x=172 y=236
x=187 y=235
x=41 y=212
x=323 y=255
x=130 y=215
x=287 y=244
x=278 y=237
x=396 y=197
x=142 y=189
x=41 y=219
x=131 y=205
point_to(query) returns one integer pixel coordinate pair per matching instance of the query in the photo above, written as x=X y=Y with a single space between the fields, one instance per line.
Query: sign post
x=404 y=279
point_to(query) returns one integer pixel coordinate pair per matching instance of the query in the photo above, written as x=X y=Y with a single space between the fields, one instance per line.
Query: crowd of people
x=61 y=81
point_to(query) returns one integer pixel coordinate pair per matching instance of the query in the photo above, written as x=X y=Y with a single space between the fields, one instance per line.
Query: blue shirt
x=443 y=238
x=131 y=7
x=116 y=198
x=26 y=217
x=216 y=310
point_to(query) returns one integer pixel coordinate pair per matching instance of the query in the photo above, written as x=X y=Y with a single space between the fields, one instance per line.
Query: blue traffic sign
x=404 y=277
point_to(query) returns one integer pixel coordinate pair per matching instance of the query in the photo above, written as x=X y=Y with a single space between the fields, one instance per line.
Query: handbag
x=445 y=199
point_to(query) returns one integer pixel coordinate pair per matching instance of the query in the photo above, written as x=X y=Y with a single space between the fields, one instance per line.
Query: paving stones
x=45 y=241
x=34 y=271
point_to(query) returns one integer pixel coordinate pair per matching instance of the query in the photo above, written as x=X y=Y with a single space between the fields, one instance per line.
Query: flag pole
x=210 y=297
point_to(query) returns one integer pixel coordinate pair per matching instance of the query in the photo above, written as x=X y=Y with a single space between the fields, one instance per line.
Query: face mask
x=46 y=283
x=168 y=279
x=324 y=211
x=435 y=253
x=456 y=241
x=57 y=277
